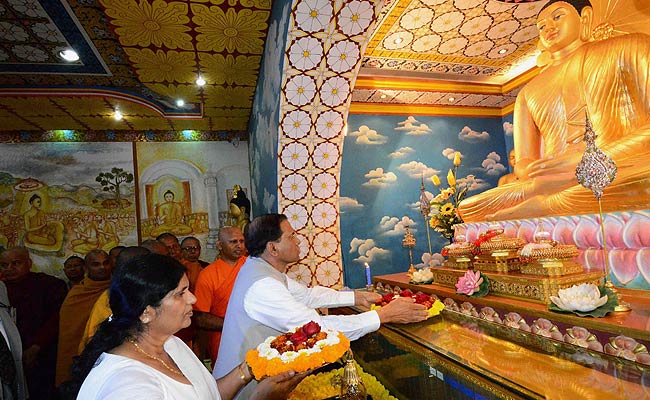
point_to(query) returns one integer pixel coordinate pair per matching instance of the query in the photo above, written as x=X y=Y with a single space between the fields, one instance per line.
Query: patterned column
x=325 y=45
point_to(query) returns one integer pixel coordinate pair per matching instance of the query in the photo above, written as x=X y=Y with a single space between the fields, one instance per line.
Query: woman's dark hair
x=263 y=229
x=577 y=4
x=169 y=192
x=143 y=281
x=34 y=197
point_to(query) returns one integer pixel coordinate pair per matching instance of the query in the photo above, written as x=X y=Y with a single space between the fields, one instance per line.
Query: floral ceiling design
x=139 y=57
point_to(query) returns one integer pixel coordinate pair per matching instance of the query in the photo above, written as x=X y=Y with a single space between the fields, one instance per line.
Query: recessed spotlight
x=383 y=96
x=398 y=40
x=502 y=51
x=451 y=99
x=69 y=55
x=118 y=115
x=200 y=81
x=180 y=102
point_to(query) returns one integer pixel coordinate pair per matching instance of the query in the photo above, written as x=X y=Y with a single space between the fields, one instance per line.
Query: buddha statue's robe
x=607 y=81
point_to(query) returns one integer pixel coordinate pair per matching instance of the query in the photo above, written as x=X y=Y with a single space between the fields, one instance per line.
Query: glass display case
x=452 y=356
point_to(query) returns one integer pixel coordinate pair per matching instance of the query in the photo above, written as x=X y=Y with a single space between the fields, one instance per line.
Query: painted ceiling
x=139 y=57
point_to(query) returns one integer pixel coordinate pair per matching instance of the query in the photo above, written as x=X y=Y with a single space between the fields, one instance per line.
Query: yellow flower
x=160 y=24
x=161 y=66
x=447 y=209
x=433 y=222
x=242 y=31
x=451 y=179
x=435 y=180
x=457 y=159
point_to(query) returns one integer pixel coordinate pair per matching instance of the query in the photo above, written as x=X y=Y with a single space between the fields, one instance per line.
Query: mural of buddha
x=169 y=217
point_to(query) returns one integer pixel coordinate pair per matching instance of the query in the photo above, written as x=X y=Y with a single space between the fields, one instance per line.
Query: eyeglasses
x=193 y=248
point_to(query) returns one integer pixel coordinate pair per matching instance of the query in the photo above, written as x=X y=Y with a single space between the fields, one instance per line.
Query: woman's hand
x=278 y=387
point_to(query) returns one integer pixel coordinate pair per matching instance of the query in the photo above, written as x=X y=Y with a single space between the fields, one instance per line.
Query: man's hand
x=365 y=299
x=30 y=354
x=279 y=386
x=402 y=310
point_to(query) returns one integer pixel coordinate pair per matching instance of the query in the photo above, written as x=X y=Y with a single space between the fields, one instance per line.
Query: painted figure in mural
x=169 y=217
x=605 y=80
x=39 y=233
x=107 y=232
x=240 y=207
x=87 y=233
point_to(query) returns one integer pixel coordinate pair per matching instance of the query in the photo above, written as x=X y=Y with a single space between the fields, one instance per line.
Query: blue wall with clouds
x=384 y=158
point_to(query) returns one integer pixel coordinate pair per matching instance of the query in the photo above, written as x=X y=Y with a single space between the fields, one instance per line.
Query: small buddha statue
x=239 y=209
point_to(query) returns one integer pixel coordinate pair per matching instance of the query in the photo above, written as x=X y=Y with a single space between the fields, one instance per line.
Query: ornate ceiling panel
x=141 y=56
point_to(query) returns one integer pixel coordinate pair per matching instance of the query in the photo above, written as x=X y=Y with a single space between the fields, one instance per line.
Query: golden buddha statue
x=607 y=81
x=239 y=209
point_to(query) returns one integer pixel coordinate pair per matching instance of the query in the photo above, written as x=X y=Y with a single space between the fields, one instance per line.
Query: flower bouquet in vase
x=444 y=206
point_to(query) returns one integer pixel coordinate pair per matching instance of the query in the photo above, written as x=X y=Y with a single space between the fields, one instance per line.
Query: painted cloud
x=401 y=152
x=413 y=127
x=449 y=153
x=392 y=226
x=472 y=183
x=416 y=169
x=507 y=128
x=431 y=260
x=367 y=250
x=470 y=136
x=492 y=166
x=349 y=204
x=377 y=177
x=366 y=135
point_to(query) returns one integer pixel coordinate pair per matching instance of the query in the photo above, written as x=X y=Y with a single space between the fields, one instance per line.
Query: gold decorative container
x=459 y=255
x=555 y=260
x=503 y=261
x=516 y=285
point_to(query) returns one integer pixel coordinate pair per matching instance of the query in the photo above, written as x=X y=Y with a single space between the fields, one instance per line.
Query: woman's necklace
x=164 y=364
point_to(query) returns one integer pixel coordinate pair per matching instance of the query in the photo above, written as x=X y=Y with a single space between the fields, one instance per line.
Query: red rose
x=388 y=297
x=422 y=298
x=298 y=337
x=311 y=328
x=406 y=293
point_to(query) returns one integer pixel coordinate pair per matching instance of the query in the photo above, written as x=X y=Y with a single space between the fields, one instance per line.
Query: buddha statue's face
x=169 y=197
x=559 y=26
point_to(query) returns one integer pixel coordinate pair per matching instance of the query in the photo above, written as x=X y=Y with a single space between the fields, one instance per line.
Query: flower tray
x=534 y=288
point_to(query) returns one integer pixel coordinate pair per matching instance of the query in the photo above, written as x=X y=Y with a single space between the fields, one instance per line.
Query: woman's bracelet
x=242 y=374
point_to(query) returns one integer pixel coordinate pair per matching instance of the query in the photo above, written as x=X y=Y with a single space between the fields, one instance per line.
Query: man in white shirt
x=266 y=302
x=12 y=379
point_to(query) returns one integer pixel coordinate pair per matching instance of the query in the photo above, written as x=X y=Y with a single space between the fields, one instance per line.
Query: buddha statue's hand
x=558 y=164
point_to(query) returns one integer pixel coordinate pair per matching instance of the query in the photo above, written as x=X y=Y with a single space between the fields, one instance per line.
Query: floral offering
x=306 y=348
x=473 y=283
x=444 y=207
x=422 y=276
x=584 y=299
x=433 y=305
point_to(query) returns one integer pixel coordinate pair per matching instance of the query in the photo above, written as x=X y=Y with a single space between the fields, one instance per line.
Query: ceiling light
x=398 y=40
x=118 y=115
x=200 y=81
x=451 y=99
x=502 y=51
x=180 y=102
x=383 y=96
x=69 y=55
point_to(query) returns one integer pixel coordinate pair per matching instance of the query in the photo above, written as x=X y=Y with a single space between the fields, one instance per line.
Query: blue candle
x=368 y=278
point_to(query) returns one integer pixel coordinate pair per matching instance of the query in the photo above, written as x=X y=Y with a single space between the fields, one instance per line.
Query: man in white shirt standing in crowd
x=266 y=302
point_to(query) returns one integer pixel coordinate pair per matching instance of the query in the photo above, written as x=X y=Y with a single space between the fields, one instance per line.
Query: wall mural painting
x=183 y=187
x=60 y=199
x=385 y=161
